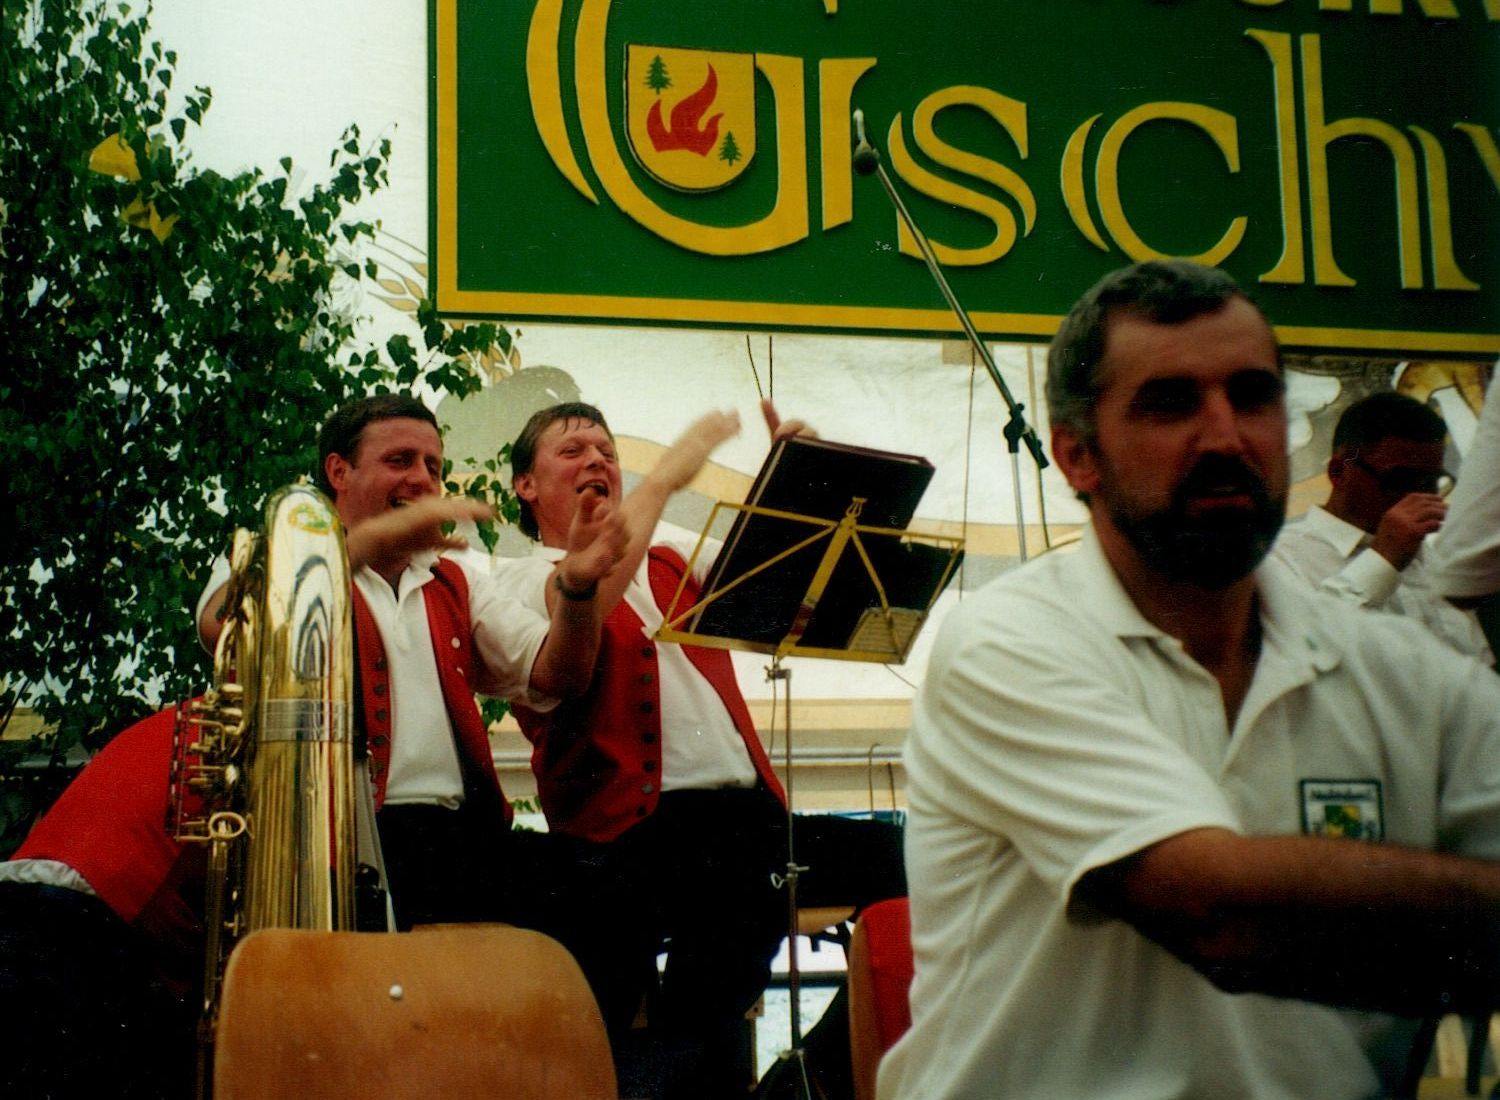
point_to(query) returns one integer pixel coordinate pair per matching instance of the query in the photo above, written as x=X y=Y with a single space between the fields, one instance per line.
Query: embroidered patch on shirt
x=1342 y=808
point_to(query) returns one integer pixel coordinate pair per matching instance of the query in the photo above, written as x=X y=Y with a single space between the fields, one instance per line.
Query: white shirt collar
x=1287 y=613
x=1340 y=534
x=1106 y=595
x=418 y=571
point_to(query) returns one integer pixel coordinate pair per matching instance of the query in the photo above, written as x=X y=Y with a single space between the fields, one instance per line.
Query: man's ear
x=525 y=487
x=1338 y=466
x=1075 y=458
x=336 y=470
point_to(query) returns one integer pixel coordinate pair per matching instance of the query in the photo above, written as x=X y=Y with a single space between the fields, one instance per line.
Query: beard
x=1208 y=547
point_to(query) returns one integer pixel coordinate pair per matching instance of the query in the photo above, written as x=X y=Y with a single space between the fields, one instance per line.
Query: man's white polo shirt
x=1058 y=731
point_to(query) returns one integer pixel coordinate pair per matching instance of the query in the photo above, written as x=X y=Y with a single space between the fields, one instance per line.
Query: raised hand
x=781 y=429
x=387 y=542
x=682 y=461
x=596 y=543
x=1405 y=524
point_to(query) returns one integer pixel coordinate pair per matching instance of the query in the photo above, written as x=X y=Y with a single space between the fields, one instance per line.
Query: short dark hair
x=1387 y=415
x=1166 y=292
x=340 y=434
x=523 y=450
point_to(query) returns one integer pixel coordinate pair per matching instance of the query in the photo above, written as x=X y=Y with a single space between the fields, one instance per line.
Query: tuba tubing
x=264 y=768
x=300 y=801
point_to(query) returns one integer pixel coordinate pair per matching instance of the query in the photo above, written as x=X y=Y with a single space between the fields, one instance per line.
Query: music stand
x=825 y=596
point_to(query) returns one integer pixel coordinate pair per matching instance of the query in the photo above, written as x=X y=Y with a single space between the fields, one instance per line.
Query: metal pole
x=867 y=162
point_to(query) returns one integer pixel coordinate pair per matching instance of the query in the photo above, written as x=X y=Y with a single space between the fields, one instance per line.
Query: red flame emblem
x=686 y=133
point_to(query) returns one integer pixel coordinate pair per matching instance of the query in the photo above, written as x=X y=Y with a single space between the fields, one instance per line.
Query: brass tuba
x=264 y=765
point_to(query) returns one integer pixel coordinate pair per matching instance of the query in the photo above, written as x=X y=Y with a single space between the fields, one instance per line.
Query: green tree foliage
x=171 y=343
x=656 y=78
x=729 y=150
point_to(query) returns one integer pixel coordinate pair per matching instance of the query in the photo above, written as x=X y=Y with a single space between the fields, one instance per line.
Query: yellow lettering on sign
x=1446 y=274
x=1484 y=145
x=1290 y=267
x=1011 y=115
x=1432 y=9
x=1075 y=198
x=543 y=84
x=1320 y=135
x=836 y=79
x=1218 y=125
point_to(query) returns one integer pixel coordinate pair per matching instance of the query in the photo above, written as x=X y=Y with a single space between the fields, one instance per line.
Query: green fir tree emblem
x=657 y=79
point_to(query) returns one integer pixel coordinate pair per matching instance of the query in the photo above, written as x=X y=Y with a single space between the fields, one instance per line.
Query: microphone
x=866 y=156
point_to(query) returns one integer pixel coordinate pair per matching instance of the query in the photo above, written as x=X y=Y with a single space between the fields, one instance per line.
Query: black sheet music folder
x=816 y=478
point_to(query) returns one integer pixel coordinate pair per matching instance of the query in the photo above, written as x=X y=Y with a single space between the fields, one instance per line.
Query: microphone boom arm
x=866 y=160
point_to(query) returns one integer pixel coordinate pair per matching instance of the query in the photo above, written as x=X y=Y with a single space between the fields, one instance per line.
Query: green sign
x=689 y=162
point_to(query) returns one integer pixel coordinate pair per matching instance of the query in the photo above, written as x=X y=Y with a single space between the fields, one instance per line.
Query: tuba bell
x=264 y=764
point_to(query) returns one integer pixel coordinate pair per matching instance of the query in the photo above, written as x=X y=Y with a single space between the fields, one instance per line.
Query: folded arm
x=1335 y=921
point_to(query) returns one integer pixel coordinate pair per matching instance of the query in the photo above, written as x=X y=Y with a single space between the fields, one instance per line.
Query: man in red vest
x=431 y=629
x=100 y=907
x=658 y=759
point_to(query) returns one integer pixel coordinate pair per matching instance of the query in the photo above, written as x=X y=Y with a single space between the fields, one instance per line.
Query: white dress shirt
x=1335 y=556
x=700 y=746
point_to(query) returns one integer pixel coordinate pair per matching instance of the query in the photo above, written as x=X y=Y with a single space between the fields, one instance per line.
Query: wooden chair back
x=456 y=1011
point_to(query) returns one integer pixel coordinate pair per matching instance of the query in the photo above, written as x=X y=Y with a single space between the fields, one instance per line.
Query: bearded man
x=1192 y=827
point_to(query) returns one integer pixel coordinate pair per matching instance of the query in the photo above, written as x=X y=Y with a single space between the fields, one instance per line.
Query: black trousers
x=466 y=865
x=701 y=877
x=87 y=1012
x=700 y=873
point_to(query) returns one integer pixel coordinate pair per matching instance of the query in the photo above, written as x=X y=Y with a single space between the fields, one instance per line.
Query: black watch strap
x=570 y=594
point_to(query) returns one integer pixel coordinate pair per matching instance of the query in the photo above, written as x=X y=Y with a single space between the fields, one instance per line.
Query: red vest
x=597 y=759
x=447 y=599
